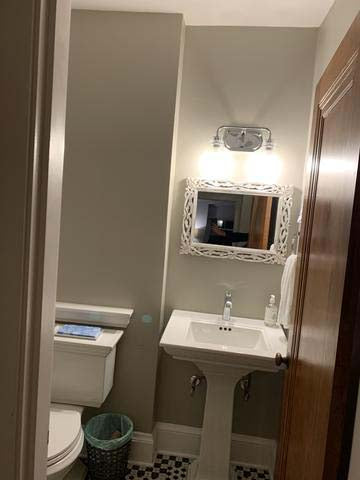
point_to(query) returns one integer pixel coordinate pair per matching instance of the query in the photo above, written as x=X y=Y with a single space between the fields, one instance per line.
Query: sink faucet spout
x=227 y=307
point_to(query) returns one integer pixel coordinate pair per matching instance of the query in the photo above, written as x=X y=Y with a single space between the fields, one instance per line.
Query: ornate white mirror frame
x=276 y=255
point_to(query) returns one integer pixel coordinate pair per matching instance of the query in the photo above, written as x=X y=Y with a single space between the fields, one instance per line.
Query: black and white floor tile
x=166 y=467
x=251 y=473
x=170 y=467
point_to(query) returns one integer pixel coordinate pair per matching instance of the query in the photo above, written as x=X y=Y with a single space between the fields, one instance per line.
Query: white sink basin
x=233 y=336
x=241 y=342
x=225 y=352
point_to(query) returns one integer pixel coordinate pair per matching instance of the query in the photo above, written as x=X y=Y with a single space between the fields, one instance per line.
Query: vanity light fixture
x=243 y=139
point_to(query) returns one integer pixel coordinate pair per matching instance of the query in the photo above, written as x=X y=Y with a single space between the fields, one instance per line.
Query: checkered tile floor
x=250 y=473
x=169 y=467
x=166 y=467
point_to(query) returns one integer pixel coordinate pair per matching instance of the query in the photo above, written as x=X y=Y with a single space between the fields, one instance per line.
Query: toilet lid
x=64 y=431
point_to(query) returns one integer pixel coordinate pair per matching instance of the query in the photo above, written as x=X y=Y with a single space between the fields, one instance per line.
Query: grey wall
x=121 y=107
x=259 y=76
x=119 y=131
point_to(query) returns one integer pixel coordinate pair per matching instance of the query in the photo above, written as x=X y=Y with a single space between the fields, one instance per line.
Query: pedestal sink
x=225 y=352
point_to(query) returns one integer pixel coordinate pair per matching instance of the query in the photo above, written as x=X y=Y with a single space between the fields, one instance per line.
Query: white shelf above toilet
x=93 y=315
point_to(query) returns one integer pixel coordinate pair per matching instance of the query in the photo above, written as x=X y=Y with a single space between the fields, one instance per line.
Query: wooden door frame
x=344 y=401
x=35 y=45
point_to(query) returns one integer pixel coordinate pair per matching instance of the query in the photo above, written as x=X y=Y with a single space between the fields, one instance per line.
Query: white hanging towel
x=287 y=291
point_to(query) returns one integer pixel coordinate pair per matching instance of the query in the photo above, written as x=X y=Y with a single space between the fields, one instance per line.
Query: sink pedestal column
x=214 y=459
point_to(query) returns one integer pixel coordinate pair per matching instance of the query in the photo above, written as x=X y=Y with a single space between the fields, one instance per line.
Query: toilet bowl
x=82 y=376
x=66 y=439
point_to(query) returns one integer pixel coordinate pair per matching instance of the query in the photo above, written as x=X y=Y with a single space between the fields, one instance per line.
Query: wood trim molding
x=347 y=368
x=300 y=288
x=337 y=80
x=341 y=85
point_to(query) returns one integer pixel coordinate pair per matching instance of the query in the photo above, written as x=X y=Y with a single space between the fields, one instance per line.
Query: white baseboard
x=179 y=439
x=256 y=451
x=185 y=441
x=142 y=448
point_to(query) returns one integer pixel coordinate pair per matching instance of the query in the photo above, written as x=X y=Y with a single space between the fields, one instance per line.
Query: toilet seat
x=66 y=436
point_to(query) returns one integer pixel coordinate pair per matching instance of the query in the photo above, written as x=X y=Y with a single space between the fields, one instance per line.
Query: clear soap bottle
x=271 y=313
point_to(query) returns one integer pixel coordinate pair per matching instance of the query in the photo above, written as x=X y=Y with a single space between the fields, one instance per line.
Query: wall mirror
x=241 y=221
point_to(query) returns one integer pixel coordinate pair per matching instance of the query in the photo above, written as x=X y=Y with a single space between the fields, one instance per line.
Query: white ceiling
x=272 y=13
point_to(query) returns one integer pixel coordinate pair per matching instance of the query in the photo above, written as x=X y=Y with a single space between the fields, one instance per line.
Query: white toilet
x=83 y=374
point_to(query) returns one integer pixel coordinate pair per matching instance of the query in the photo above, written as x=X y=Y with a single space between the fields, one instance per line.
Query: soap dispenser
x=271 y=313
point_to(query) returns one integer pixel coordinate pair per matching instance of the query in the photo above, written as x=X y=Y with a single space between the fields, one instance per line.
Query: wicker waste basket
x=108 y=440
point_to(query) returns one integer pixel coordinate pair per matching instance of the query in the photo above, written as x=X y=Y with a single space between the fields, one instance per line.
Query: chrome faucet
x=227 y=306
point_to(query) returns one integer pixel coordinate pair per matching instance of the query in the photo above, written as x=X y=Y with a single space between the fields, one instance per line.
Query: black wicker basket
x=108 y=464
x=107 y=453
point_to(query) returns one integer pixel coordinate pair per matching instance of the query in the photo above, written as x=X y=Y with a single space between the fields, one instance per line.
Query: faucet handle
x=228 y=295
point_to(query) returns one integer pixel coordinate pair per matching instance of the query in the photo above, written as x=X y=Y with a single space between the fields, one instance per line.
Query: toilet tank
x=83 y=370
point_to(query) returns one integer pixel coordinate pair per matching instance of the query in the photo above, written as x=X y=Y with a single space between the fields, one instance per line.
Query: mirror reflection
x=238 y=220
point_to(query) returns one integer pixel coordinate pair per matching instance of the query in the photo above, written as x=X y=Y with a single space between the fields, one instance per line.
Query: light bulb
x=216 y=164
x=216 y=142
x=264 y=166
